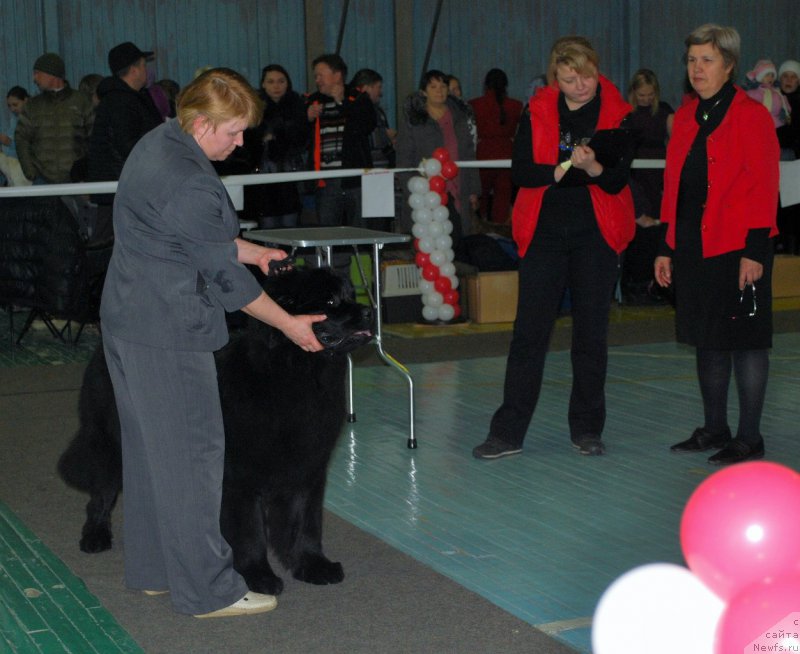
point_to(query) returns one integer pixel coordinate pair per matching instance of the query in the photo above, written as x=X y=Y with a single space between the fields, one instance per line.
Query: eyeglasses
x=747 y=303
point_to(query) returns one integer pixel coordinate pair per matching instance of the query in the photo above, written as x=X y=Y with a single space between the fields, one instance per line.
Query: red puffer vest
x=614 y=212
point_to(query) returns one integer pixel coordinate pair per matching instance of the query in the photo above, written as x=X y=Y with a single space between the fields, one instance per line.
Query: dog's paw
x=268 y=584
x=96 y=541
x=319 y=571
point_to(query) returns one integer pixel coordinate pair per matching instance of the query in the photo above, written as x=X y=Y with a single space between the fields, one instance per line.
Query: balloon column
x=740 y=536
x=432 y=241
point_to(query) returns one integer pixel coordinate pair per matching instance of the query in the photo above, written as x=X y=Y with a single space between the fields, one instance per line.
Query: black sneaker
x=589 y=446
x=494 y=449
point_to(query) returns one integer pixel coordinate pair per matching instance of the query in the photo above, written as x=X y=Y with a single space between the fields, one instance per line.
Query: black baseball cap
x=123 y=55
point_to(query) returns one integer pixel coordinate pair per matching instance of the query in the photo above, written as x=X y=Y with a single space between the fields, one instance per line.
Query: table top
x=324 y=236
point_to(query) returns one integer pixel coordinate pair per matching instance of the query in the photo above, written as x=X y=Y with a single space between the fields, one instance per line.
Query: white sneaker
x=250 y=604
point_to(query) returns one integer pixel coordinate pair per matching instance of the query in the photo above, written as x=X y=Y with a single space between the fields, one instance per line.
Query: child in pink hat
x=763 y=76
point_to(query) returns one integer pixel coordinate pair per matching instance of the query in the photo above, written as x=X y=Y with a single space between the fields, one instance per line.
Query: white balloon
x=446 y=312
x=422 y=215
x=433 y=299
x=424 y=285
x=435 y=229
x=432 y=199
x=447 y=226
x=425 y=245
x=438 y=257
x=447 y=269
x=430 y=313
x=449 y=254
x=660 y=608
x=418 y=184
x=421 y=230
x=416 y=200
x=440 y=213
x=443 y=242
x=432 y=167
x=453 y=278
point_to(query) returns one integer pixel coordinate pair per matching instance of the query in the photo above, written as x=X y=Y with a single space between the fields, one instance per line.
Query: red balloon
x=443 y=285
x=422 y=259
x=416 y=244
x=456 y=310
x=437 y=183
x=430 y=272
x=449 y=169
x=441 y=154
x=444 y=197
x=451 y=297
x=736 y=530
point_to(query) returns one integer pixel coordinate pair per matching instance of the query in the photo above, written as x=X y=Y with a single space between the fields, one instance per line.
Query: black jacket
x=123 y=117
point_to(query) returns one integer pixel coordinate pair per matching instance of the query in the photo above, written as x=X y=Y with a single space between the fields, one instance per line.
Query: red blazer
x=614 y=213
x=743 y=174
x=495 y=140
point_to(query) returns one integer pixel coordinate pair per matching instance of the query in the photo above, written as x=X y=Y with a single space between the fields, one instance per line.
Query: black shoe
x=590 y=446
x=494 y=449
x=701 y=440
x=737 y=451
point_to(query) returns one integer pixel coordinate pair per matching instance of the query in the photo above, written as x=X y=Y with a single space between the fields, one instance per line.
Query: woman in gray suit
x=177 y=267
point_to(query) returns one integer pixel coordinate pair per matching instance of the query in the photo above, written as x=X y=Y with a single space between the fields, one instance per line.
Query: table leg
x=388 y=358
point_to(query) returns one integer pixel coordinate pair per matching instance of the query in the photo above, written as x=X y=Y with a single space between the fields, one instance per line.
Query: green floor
x=45 y=608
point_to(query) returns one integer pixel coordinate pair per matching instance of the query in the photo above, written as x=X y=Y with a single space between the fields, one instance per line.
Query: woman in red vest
x=720 y=202
x=572 y=217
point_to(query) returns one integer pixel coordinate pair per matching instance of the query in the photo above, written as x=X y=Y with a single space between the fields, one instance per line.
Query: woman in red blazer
x=720 y=203
x=496 y=119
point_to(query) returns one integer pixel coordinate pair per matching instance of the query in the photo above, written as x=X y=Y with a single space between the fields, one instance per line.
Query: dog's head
x=321 y=291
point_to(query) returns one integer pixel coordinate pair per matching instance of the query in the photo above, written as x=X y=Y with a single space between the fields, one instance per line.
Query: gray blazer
x=174 y=270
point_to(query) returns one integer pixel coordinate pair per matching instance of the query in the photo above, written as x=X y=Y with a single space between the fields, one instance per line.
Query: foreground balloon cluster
x=740 y=536
x=433 y=243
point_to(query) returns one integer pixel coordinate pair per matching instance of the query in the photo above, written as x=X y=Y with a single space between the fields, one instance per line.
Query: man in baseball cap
x=124 y=115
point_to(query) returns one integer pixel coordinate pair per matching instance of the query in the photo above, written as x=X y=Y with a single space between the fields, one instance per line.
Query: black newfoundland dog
x=283 y=410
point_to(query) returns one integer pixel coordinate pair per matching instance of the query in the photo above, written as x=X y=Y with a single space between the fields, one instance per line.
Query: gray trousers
x=173 y=448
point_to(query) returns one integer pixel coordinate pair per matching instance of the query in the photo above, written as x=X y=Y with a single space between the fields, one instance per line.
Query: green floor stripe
x=45 y=608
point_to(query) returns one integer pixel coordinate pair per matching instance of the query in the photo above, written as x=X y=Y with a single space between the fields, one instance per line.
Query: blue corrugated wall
x=472 y=36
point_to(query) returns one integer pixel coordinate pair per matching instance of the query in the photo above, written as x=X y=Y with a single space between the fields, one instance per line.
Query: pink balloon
x=762 y=618
x=741 y=526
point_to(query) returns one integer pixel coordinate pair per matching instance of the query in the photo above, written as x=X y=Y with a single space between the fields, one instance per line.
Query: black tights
x=714 y=373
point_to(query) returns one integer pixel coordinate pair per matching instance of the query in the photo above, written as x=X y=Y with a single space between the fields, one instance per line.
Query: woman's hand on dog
x=297 y=329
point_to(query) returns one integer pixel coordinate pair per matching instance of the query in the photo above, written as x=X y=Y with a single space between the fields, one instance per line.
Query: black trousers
x=565 y=252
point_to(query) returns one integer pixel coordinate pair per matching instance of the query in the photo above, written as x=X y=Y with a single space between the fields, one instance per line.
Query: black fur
x=283 y=410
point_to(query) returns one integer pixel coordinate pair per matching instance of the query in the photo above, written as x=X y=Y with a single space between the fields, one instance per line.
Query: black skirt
x=710 y=310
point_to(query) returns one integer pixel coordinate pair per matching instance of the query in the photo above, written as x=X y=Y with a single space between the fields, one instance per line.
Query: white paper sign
x=377 y=194
x=790 y=183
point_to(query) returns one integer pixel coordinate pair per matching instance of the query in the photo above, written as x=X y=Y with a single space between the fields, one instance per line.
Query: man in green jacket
x=53 y=129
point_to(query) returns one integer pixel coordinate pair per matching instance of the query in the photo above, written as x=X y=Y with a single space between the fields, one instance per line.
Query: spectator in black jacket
x=126 y=113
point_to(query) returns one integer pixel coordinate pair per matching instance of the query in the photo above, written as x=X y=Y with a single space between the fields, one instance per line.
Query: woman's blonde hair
x=726 y=41
x=644 y=77
x=219 y=94
x=575 y=52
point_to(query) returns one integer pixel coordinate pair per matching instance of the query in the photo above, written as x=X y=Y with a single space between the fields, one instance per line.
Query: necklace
x=705 y=113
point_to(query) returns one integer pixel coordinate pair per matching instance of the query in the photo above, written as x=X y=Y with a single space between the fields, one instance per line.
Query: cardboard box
x=492 y=296
x=786 y=276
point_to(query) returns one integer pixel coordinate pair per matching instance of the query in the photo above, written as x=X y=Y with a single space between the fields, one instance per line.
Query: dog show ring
x=323 y=240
